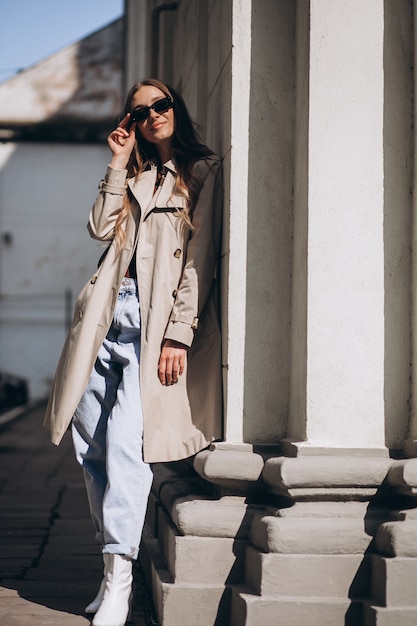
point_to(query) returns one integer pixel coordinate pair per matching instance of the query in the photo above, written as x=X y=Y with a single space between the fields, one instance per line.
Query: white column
x=235 y=293
x=337 y=395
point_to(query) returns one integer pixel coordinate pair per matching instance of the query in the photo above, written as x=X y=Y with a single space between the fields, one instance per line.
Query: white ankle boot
x=94 y=606
x=117 y=596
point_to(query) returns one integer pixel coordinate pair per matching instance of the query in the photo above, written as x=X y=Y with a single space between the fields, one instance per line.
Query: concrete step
x=319 y=575
x=182 y=603
x=248 y=609
x=394 y=581
x=202 y=560
x=392 y=616
x=328 y=535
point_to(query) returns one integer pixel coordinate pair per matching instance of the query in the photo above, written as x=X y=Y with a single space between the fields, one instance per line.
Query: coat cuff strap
x=114 y=182
x=181 y=332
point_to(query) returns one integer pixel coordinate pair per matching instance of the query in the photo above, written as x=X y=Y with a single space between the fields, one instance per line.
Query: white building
x=54 y=118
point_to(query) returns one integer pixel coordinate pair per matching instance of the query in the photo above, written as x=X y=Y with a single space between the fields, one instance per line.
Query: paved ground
x=50 y=567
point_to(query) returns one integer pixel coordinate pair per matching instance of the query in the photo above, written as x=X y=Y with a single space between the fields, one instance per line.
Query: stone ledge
x=181 y=604
x=319 y=509
x=394 y=581
x=302 y=575
x=383 y=616
x=234 y=468
x=323 y=494
x=403 y=474
x=227 y=517
x=220 y=560
x=397 y=539
x=309 y=536
x=293 y=448
x=283 y=474
x=254 y=610
x=196 y=508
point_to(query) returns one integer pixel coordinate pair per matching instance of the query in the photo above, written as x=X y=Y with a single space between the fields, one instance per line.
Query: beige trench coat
x=178 y=296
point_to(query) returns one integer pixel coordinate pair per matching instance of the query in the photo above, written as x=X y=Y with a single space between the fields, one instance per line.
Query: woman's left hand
x=172 y=362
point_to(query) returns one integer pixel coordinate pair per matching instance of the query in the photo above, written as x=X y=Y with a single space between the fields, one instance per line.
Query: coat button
x=177 y=253
x=174 y=293
x=80 y=315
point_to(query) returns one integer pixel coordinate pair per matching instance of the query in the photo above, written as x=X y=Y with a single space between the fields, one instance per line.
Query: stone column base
x=315 y=539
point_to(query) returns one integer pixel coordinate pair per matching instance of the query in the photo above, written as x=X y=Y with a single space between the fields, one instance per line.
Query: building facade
x=306 y=512
x=54 y=118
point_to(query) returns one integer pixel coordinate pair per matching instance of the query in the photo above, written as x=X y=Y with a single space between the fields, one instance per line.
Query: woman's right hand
x=121 y=142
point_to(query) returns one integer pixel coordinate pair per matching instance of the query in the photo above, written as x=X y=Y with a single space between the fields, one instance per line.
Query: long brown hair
x=186 y=147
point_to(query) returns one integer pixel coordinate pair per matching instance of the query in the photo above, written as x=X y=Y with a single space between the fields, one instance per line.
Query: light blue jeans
x=107 y=431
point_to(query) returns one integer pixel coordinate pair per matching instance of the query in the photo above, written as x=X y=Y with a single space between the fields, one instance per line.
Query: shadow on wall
x=270 y=223
x=398 y=208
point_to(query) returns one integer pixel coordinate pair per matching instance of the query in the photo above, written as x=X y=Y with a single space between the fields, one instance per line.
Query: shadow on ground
x=50 y=567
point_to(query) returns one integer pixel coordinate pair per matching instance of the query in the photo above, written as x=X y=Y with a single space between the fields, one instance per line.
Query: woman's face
x=157 y=128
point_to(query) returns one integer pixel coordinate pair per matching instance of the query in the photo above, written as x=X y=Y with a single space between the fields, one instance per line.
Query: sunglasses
x=160 y=106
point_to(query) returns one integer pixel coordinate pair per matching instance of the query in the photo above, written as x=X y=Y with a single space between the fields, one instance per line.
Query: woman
x=140 y=373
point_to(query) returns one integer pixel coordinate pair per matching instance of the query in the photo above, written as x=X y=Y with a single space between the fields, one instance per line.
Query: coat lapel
x=143 y=188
